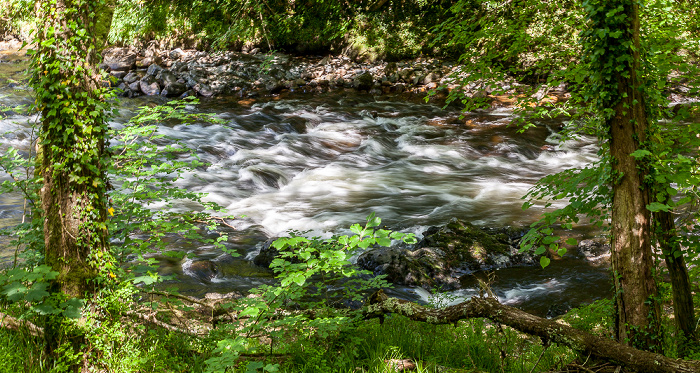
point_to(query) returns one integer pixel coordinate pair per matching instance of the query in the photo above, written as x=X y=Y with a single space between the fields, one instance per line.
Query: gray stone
x=153 y=69
x=118 y=74
x=131 y=77
x=149 y=86
x=135 y=86
x=166 y=77
x=173 y=89
x=176 y=53
x=203 y=90
x=120 y=59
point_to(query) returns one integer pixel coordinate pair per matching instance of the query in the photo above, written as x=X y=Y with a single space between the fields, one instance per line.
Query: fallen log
x=379 y=304
x=13 y=323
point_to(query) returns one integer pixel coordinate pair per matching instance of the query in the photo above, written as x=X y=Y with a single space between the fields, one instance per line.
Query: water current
x=320 y=163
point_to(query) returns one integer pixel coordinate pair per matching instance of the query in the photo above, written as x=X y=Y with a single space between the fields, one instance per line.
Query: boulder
x=153 y=69
x=120 y=59
x=149 y=86
x=176 y=54
x=166 y=77
x=203 y=270
x=174 y=89
x=131 y=77
x=594 y=250
x=469 y=248
x=424 y=267
x=267 y=254
x=363 y=82
x=447 y=253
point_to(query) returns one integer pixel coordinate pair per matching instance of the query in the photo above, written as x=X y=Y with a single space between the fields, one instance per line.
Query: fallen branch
x=380 y=304
x=153 y=320
x=13 y=323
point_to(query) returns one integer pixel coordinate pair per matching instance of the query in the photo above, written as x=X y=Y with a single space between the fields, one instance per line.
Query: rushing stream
x=323 y=162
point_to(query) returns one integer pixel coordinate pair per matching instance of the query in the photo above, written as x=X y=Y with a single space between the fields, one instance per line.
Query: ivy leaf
x=544 y=261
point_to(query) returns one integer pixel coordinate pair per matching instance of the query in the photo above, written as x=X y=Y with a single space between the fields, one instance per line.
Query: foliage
x=315 y=278
x=310 y=27
x=146 y=174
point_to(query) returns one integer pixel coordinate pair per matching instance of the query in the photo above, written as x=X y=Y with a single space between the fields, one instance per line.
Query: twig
x=540 y=358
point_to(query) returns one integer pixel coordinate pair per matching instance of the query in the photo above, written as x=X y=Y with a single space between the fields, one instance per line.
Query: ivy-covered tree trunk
x=71 y=98
x=614 y=52
x=637 y=319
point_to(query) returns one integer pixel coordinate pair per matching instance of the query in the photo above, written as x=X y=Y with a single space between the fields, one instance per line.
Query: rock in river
x=445 y=254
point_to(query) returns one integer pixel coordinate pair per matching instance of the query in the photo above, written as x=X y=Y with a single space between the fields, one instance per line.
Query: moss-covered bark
x=549 y=330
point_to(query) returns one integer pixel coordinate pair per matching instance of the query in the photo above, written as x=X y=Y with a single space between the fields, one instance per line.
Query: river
x=320 y=163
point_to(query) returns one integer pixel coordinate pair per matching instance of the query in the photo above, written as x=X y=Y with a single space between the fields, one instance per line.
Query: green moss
x=464 y=242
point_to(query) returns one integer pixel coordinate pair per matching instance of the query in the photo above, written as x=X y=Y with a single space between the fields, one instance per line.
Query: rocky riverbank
x=187 y=72
x=178 y=72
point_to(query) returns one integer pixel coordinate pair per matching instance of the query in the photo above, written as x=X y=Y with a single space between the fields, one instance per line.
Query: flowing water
x=323 y=162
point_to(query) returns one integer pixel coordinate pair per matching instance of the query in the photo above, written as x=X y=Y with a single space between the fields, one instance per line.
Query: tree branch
x=549 y=330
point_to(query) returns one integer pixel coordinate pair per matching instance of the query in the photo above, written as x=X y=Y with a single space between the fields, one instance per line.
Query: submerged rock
x=447 y=253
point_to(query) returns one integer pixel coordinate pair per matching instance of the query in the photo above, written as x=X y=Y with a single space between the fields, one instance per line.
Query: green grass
x=471 y=346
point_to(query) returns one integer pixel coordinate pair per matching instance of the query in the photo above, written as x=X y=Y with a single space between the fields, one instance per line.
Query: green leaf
x=640 y=153
x=356 y=228
x=250 y=311
x=656 y=206
x=72 y=308
x=540 y=250
x=373 y=221
x=571 y=241
x=253 y=366
x=544 y=261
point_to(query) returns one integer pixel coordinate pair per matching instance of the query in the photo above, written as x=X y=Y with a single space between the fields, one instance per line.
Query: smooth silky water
x=321 y=162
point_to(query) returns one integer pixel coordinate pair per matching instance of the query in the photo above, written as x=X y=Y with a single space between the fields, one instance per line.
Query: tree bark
x=637 y=313
x=683 y=308
x=549 y=330
x=68 y=91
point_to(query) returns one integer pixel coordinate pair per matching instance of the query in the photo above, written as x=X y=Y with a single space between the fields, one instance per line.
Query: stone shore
x=177 y=73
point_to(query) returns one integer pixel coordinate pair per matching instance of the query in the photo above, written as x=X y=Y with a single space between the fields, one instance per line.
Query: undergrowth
x=475 y=345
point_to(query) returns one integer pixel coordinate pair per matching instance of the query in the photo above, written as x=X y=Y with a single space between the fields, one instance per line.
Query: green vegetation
x=85 y=275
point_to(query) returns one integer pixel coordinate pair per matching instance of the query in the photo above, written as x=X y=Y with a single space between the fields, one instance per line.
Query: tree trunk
x=637 y=313
x=548 y=330
x=73 y=137
x=683 y=308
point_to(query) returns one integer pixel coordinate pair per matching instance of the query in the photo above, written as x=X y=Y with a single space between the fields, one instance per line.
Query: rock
x=176 y=54
x=447 y=253
x=131 y=77
x=149 y=86
x=120 y=59
x=469 y=248
x=363 y=82
x=203 y=90
x=118 y=74
x=275 y=86
x=166 y=77
x=135 y=86
x=423 y=267
x=267 y=254
x=174 y=89
x=594 y=250
x=203 y=270
x=153 y=69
